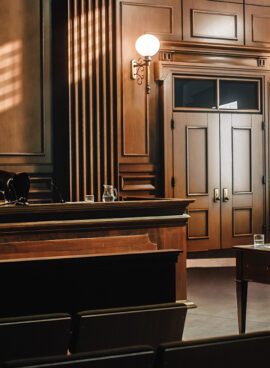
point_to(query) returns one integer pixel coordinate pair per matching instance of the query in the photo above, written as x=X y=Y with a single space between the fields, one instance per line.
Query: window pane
x=238 y=95
x=195 y=93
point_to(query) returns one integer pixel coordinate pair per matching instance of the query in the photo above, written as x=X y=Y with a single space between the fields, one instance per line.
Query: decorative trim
x=261 y=61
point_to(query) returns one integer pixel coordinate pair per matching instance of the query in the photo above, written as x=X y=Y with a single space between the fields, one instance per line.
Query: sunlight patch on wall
x=10 y=75
x=78 y=48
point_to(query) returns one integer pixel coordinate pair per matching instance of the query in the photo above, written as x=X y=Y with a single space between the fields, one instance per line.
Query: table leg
x=241 y=293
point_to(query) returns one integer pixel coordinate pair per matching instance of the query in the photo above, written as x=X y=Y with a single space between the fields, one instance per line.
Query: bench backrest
x=33 y=336
x=119 y=327
x=247 y=351
x=134 y=357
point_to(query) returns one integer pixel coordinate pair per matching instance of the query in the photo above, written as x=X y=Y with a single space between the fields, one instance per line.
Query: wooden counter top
x=88 y=210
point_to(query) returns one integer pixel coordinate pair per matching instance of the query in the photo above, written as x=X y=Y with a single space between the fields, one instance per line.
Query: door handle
x=216 y=195
x=225 y=195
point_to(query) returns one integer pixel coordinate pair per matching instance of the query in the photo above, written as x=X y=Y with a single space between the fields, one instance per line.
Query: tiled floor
x=213 y=291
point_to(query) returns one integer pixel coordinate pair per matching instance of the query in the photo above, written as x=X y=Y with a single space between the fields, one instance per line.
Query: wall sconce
x=147 y=46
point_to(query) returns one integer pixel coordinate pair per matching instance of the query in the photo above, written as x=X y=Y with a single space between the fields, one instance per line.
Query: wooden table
x=252 y=264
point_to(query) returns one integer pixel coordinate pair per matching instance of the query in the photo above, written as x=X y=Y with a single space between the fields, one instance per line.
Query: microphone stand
x=58 y=192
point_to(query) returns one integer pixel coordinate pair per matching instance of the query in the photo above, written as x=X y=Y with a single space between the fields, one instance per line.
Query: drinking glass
x=258 y=240
x=89 y=198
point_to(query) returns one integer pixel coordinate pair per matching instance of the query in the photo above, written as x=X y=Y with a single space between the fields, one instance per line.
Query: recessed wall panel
x=21 y=121
x=261 y=28
x=242 y=221
x=198 y=224
x=213 y=21
x=257 y=24
x=214 y=25
x=197 y=168
x=241 y=159
x=138 y=19
x=258 y=2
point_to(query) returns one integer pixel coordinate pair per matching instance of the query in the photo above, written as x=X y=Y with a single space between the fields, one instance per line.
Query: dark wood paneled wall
x=92 y=98
x=105 y=128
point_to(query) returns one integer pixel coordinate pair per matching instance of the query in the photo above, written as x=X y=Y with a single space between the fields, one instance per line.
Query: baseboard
x=211 y=262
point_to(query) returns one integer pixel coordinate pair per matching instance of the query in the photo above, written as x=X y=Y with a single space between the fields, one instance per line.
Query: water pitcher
x=109 y=194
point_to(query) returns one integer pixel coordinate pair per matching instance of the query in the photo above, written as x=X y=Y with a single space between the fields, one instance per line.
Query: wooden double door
x=218 y=159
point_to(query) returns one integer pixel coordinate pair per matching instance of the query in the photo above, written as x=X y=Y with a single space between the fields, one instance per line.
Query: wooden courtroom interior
x=184 y=140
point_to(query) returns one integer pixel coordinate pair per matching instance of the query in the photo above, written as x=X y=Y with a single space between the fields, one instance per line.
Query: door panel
x=241 y=160
x=196 y=172
x=222 y=152
x=241 y=174
x=197 y=168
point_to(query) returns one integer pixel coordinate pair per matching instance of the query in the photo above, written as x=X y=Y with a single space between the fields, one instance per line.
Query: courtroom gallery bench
x=56 y=276
x=236 y=351
x=132 y=294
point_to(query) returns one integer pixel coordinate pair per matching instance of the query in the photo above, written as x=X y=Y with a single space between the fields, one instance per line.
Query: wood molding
x=175 y=46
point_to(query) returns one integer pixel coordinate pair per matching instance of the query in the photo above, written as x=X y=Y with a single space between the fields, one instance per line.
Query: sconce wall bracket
x=137 y=69
x=133 y=69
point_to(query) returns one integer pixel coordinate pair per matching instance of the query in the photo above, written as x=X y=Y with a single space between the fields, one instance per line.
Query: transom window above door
x=216 y=94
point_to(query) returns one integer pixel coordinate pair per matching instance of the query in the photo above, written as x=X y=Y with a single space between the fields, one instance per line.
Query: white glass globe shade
x=147 y=45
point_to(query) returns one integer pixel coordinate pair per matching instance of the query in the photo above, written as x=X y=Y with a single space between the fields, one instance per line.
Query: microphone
x=12 y=194
x=61 y=200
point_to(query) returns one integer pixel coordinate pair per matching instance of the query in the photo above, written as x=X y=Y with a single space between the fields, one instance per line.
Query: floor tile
x=213 y=291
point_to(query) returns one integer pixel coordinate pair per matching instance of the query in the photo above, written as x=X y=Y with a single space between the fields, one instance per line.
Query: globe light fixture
x=147 y=46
